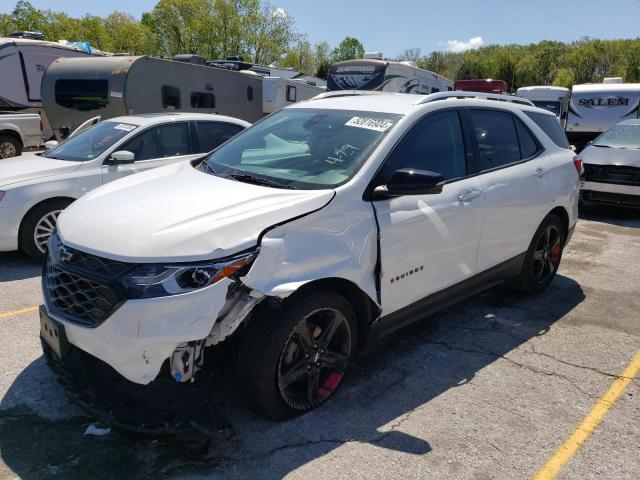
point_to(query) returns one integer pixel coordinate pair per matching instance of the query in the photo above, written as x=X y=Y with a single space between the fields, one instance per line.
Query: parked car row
x=298 y=242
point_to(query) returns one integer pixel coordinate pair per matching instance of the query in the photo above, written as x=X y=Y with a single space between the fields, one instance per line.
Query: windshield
x=92 y=142
x=548 y=105
x=620 y=136
x=308 y=149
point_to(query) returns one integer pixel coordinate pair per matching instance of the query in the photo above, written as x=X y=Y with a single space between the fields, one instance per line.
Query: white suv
x=35 y=188
x=323 y=226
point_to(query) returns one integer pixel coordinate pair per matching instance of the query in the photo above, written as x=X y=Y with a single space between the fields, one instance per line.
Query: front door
x=153 y=147
x=429 y=242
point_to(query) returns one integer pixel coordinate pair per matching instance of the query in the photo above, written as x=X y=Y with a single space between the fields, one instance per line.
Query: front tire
x=38 y=225
x=543 y=256
x=291 y=360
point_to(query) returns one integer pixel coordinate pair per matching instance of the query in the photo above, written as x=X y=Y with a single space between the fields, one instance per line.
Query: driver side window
x=160 y=141
x=435 y=143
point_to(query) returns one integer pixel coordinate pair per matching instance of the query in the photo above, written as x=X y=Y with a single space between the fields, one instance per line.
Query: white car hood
x=179 y=214
x=30 y=166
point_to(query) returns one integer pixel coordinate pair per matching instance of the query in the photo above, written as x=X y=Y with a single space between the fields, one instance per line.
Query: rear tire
x=291 y=360
x=543 y=256
x=38 y=225
x=10 y=146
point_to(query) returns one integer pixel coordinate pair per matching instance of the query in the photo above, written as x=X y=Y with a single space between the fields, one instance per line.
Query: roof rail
x=346 y=93
x=487 y=96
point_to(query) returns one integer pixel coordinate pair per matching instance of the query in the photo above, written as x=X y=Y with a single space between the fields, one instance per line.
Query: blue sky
x=393 y=25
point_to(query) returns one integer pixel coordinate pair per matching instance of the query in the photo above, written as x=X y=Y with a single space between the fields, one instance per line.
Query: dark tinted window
x=203 y=100
x=160 y=141
x=170 y=97
x=213 y=134
x=528 y=144
x=291 y=94
x=551 y=126
x=250 y=94
x=82 y=94
x=495 y=133
x=435 y=144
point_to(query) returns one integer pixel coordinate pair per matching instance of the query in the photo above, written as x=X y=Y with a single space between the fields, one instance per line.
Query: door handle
x=468 y=195
x=540 y=172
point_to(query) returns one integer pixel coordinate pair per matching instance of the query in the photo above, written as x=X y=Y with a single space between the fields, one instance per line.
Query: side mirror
x=121 y=157
x=408 y=181
x=50 y=144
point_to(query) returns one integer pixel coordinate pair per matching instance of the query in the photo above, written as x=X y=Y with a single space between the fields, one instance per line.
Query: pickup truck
x=19 y=131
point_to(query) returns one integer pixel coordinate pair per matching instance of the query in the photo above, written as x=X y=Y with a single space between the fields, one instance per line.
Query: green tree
x=348 y=49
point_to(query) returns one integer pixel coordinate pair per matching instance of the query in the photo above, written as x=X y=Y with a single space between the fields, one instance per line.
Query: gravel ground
x=488 y=389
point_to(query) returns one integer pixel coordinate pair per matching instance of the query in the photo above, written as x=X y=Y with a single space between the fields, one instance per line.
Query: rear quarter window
x=551 y=126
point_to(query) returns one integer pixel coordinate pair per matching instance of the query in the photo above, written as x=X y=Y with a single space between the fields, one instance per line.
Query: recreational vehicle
x=374 y=73
x=488 y=85
x=594 y=107
x=74 y=90
x=23 y=63
x=554 y=99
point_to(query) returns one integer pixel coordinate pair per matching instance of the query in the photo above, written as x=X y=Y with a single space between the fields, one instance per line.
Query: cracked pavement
x=487 y=389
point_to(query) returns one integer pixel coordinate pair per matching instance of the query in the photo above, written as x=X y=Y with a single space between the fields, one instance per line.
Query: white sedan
x=35 y=188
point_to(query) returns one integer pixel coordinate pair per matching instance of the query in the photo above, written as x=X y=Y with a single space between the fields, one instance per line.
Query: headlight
x=156 y=280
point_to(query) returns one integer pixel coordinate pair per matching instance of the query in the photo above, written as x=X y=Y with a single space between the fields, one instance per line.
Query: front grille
x=617 y=174
x=80 y=287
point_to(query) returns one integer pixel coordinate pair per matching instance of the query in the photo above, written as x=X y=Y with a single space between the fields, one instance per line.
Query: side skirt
x=447 y=297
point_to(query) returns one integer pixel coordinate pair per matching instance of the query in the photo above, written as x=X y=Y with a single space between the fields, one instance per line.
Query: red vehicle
x=485 y=86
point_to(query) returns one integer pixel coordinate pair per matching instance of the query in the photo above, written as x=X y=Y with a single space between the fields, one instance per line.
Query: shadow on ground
x=17 y=266
x=400 y=376
x=615 y=215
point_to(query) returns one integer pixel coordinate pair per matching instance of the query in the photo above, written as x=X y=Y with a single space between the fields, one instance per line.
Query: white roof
x=401 y=103
x=543 y=92
x=606 y=87
x=155 y=118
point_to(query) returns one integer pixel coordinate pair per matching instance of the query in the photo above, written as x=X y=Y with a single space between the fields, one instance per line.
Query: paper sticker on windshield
x=370 y=123
x=125 y=127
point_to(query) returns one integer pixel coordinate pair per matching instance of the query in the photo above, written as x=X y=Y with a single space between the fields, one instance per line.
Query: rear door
x=513 y=169
x=153 y=147
x=429 y=242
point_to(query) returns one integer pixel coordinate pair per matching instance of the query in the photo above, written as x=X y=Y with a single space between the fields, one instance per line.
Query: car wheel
x=291 y=360
x=543 y=257
x=10 y=146
x=38 y=225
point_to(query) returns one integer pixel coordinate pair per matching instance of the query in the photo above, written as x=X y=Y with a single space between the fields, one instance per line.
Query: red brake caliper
x=555 y=253
x=329 y=384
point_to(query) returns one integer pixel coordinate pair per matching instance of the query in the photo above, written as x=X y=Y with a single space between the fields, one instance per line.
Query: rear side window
x=551 y=126
x=160 y=141
x=495 y=134
x=528 y=144
x=214 y=134
x=82 y=94
x=435 y=144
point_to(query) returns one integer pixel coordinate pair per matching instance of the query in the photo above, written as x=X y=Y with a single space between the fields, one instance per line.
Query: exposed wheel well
x=12 y=133
x=564 y=216
x=43 y=202
x=365 y=309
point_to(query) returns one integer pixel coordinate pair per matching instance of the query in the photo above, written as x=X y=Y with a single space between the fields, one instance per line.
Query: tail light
x=577 y=162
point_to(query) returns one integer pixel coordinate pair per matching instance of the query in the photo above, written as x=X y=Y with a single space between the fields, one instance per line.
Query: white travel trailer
x=554 y=99
x=594 y=107
x=374 y=73
x=23 y=63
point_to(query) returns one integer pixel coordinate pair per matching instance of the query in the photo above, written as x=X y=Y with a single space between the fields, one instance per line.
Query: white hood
x=30 y=166
x=178 y=214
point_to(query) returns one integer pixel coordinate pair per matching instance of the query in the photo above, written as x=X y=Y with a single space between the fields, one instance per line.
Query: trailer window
x=250 y=94
x=171 y=97
x=82 y=94
x=203 y=100
x=291 y=94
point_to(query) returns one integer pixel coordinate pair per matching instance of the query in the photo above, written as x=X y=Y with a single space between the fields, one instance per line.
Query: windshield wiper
x=600 y=145
x=248 y=178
